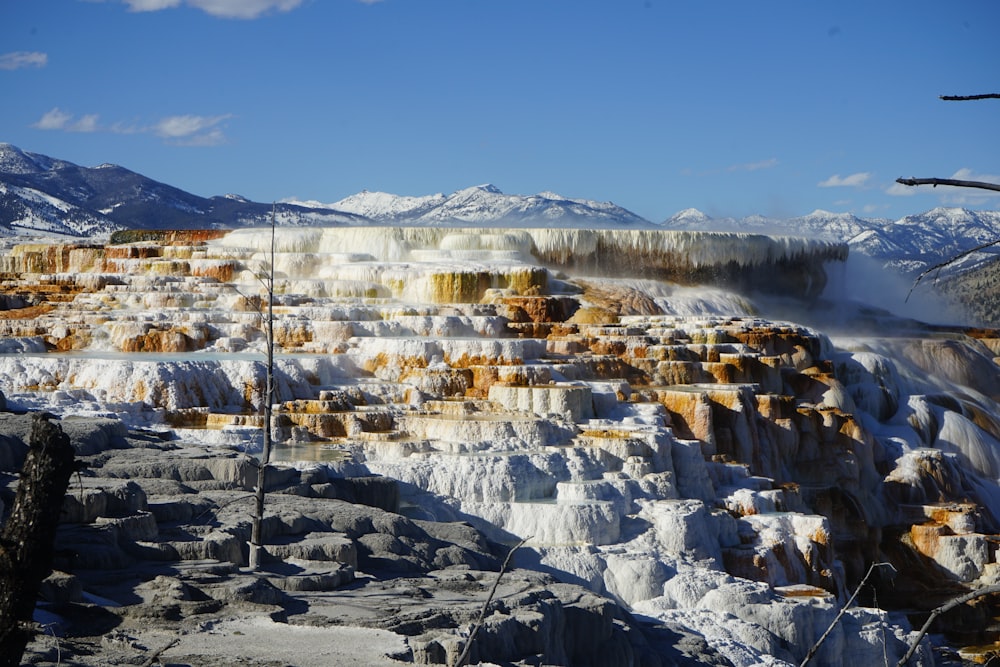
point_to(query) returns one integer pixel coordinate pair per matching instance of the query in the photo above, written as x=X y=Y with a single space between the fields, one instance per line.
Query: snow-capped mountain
x=382 y=206
x=40 y=194
x=43 y=194
x=487 y=204
x=33 y=210
x=908 y=245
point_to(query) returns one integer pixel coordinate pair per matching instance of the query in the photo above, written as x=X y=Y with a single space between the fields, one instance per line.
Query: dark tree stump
x=26 y=542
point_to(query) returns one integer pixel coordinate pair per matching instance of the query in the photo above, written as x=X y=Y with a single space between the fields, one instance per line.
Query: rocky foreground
x=151 y=557
x=696 y=478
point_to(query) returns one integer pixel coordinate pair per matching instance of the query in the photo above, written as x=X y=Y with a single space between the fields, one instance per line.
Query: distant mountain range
x=936 y=245
x=485 y=204
x=908 y=245
x=41 y=194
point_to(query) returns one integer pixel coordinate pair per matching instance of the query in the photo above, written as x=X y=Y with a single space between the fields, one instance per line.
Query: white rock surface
x=652 y=442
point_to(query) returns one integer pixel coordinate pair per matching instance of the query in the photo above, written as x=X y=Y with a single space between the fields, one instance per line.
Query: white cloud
x=57 y=119
x=121 y=127
x=192 y=130
x=86 y=123
x=900 y=190
x=227 y=9
x=22 y=59
x=857 y=180
x=184 y=130
x=174 y=127
x=151 y=5
x=755 y=166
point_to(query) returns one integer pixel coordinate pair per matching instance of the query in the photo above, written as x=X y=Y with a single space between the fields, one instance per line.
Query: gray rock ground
x=151 y=569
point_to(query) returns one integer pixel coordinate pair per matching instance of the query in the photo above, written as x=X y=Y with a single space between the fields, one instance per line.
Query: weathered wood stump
x=26 y=542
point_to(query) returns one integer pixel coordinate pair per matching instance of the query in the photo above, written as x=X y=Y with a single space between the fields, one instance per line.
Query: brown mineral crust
x=530 y=329
x=74 y=341
x=114 y=252
x=28 y=313
x=170 y=340
x=541 y=309
x=771 y=342
x=466 y=360
x=386 y=360
x=220 y=270
x=618 y=299
x=293 y=334
x=925 y=537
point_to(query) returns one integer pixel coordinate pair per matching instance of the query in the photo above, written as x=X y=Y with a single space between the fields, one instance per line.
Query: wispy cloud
x=754 y=166
x=227 y=9
x=57 y=119
x=858 y=180
x=900 y=190
x=192 y=130
x=23 y=59
x=151 y=5
x=183 y=130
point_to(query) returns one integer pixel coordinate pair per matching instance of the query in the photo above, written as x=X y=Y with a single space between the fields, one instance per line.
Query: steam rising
x=862 y=280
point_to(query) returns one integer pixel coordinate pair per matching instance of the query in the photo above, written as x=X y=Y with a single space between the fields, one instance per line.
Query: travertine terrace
x=617 y=398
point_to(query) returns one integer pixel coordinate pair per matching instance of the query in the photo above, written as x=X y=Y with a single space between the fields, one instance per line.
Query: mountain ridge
x=908 y=245
x=46 y=195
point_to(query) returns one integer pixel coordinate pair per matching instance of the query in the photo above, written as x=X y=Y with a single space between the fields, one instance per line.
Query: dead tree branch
x=155 y=655
x=945 y=263
x=982 y=185
x=843 y=610
x=947 y=606
x=486 y=605
x=965 y=98
x=256 y=526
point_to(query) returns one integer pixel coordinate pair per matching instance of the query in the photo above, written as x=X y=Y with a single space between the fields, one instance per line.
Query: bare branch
x=155 y=655
x=978 y=593
x=949 y=181
x=964 y=98
x=486 y=605
x=945 y=263
x=256 y=527
x=843 y=610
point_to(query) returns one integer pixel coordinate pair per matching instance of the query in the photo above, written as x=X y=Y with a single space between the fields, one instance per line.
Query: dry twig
x=964 y=98
x=947 y=606
x=982 y=185
x=952 y=260
x=843 y=610
x=486 y=605
x=155 y=655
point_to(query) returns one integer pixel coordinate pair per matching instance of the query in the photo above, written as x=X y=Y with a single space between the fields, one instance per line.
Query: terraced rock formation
x=653 y=435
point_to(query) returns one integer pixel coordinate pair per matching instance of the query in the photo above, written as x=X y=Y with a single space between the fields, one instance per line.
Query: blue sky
x=732 y=107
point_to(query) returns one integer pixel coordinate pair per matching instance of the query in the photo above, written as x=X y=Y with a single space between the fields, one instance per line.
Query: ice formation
x=616 y=397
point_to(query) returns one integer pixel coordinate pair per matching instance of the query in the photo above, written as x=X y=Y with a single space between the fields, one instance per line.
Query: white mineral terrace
x=662 y=443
